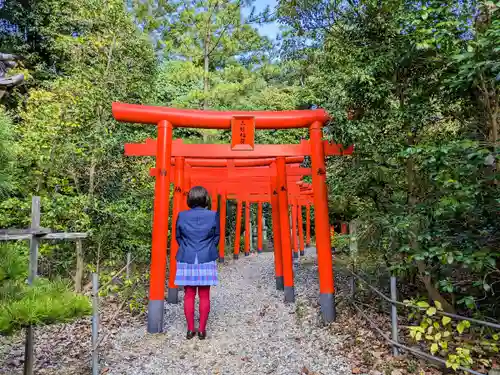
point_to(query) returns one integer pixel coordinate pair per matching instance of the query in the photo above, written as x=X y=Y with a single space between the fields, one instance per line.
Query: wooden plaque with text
x=242 y=133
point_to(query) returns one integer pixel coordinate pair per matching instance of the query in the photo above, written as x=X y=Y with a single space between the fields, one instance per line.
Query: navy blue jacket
x=197 y=233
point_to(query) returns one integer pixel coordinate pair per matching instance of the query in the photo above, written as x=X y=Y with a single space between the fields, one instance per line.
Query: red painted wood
x=194 y=118
x=177 y=207
x=222 y=151
x=242 y=133
x=222 y=240
x=300 y=225
x=259 y=226
x=308 y=224
x=321 y=221
x=160 y=214
x=278 y=257
x=247 y=227
x=286 y=245
x=295 y=242
x=241 y=172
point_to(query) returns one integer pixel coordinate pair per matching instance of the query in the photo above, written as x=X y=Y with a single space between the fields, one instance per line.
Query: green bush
x=45 y=302
x=341 y=242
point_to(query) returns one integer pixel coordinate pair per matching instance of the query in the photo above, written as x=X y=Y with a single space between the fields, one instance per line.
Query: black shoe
x=202 y=335
x=190 y=335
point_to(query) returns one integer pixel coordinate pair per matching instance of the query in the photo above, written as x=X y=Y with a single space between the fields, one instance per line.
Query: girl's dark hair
x=198 y=197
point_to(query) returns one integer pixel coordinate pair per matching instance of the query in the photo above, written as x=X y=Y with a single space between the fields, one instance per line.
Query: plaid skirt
x=197 y=274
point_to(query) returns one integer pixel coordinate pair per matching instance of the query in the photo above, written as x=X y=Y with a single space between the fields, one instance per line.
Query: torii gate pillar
x=308 y=225
x=295 y=244
x=301 y=229
x=286 y=246
x=237 y=232
x=276 y=226
x=325 y=261
x=222 y=240
x=160 y=228
x=173 y=291
x=259 y=227
x=247 y=228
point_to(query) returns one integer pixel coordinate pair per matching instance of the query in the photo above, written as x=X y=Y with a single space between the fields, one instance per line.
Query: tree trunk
x=93 y=163
x=79 y=266
x=206 y=68
x=431 y=290
x=489 y=100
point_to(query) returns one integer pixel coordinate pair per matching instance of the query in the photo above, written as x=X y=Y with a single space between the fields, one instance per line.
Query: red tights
x=189 y=297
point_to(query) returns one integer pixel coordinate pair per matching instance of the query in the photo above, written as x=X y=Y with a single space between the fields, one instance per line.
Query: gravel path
x=250 y=330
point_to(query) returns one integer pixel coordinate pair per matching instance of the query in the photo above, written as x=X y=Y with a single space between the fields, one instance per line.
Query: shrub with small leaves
x=458 y=342
x=132 y=291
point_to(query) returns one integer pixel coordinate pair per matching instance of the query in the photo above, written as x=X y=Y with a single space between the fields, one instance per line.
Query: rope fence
x=35 y=234
x=96 y=341
x=394 y=339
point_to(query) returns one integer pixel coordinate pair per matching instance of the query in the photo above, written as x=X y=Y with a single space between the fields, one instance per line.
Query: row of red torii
x=245 y=172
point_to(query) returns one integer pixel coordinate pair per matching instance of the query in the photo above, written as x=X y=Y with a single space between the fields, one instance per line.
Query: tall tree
x=68 y=138
x=383 y=69
x=213 y=34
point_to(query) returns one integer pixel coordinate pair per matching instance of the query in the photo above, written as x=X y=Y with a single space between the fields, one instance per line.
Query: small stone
x=356 y=370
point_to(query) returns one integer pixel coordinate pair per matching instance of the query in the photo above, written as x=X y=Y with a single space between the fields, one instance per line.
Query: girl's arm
x=178 y=230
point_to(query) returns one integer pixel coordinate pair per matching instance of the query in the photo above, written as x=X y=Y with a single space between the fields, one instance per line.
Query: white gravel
x=250 y=330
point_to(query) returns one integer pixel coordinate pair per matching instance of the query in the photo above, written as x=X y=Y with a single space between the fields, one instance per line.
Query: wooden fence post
x=33 y=270
x=95 y=324
x=79 y=266
x=128 y=265
x=394 y=315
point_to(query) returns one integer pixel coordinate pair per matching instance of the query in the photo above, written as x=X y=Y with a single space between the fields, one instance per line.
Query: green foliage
x=214 y=27
x=414 y=86
x=341 y=242
x=6 y=153
x=459 y=342
x=43 y=303
x=420 y=184
x=132 y=292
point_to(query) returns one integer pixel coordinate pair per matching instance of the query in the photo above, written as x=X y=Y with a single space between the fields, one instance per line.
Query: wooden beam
x=33 y=231
x=80 y=266
x=223 y=151
x=46 y=236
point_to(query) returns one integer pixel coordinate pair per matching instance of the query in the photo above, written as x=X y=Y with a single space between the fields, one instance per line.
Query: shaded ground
x=251 y=331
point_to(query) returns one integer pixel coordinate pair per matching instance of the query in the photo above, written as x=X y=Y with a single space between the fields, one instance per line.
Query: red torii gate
x=210 y=178
x=243 y=124
x=216 y=180
x=279 y=272
x=283 y=259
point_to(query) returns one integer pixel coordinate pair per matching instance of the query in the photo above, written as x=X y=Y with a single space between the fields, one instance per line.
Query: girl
x=197 y=233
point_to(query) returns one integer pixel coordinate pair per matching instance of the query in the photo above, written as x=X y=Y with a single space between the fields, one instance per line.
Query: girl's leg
x=189 y=296
x=204 y=293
